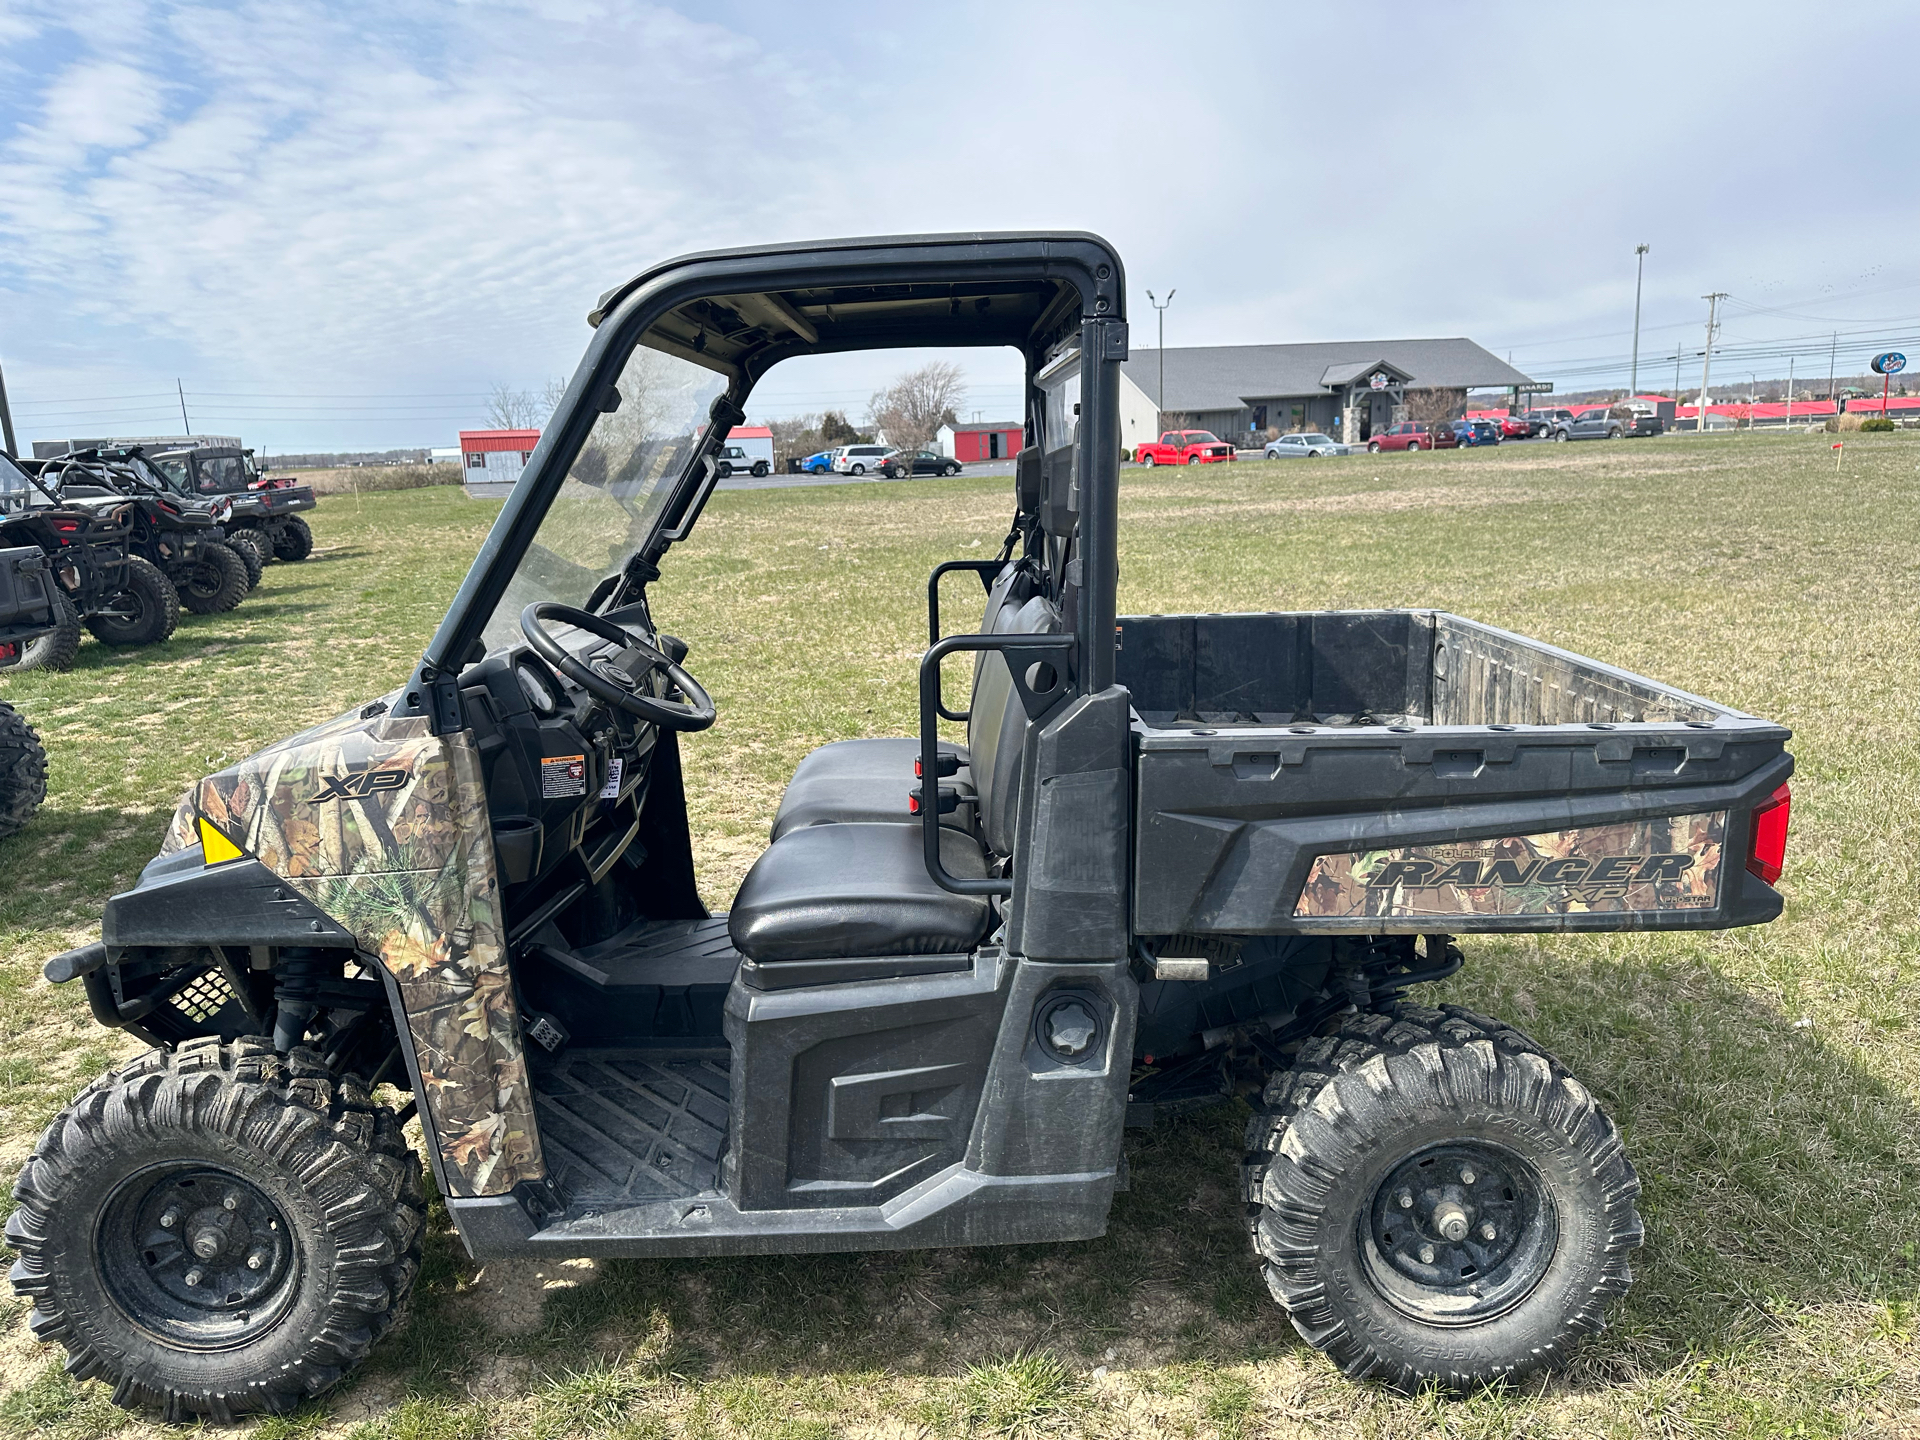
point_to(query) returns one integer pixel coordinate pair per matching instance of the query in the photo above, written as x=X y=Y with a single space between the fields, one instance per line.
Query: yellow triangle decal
x=217 y=848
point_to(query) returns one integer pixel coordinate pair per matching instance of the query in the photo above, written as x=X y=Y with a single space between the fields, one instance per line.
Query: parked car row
x=879 y=460
x=1599 y=422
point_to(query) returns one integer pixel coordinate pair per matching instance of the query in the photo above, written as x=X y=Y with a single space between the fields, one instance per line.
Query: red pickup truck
x=1185 y=447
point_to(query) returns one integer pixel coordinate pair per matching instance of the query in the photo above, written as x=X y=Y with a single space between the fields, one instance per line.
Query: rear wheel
x=55 y=649
x=213 y=581
x=145 y=612
x=218 y=1230
x=23 y=771
x=856 y=469
x=1437 y=1200
x=296 y=540
x=760 y=467
x=1413 y=445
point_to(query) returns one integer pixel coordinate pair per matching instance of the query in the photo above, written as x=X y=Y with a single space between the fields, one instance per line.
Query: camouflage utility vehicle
x=123 y=598
x=1176 y=858
x=26 y=613
x=266 y=510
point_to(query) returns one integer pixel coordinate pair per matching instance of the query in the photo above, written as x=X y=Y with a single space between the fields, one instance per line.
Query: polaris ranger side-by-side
x=264 y=510
x=1177 y=858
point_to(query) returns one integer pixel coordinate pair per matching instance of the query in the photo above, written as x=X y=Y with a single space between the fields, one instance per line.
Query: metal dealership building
x=1347 y=389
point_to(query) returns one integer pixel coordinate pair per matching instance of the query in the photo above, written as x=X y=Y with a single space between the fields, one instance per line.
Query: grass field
x=1767 y=1081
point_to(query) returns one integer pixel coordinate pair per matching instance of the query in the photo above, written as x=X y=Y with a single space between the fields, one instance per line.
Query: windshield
x=1202 y=437
x=616 y=488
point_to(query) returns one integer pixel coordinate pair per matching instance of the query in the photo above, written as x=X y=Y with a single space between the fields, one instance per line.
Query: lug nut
x=1487 y=1232
x=1426 y=1256
x=258 y=1259
x=231 y=1200
x=193 y=1276
x=1406 y=1201
x=1467 y=1177
x=170 y=1219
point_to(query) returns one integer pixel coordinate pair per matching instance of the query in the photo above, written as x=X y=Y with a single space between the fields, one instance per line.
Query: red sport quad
x=1174 y=859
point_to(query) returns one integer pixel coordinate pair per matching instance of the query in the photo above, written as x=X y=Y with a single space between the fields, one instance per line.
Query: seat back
x=997 y=729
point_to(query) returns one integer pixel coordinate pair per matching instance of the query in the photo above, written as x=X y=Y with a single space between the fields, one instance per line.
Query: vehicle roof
x=878 y=292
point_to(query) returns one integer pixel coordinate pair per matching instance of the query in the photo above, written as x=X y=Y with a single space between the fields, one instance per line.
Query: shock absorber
x=296 y=992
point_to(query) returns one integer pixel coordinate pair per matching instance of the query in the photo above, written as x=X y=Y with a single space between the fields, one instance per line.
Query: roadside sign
x=1891 y=363
x=1535 y=387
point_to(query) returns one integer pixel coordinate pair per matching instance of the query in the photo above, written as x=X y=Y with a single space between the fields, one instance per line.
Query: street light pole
x=1639 y=272
x=6 y=419
x=1160 y=400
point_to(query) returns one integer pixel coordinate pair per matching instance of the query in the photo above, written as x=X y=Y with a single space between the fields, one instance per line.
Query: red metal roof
x=483 y=440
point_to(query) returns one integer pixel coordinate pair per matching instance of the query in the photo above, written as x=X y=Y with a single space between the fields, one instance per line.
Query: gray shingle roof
x=1219 y=377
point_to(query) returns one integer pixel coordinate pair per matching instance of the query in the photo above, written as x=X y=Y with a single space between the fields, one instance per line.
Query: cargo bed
x=1408 y=771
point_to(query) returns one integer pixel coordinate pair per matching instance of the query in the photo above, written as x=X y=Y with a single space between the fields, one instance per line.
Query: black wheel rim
x=1459 y=1233
x=123 y=613
x=197 y=1256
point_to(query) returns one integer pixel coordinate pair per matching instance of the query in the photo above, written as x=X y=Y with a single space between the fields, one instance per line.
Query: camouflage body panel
x=384 y=826
x=1672 y=863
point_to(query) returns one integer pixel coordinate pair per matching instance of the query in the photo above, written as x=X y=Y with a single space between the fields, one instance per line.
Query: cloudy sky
x=338 y=226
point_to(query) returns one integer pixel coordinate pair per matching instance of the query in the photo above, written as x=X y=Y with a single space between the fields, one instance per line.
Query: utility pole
x=1160 y=400
x=1833 y=354
x=1789 y=424
x=183 y=405
x=1639 y=272
x=1676 y=373
x=1706 y=356
x=6 y=418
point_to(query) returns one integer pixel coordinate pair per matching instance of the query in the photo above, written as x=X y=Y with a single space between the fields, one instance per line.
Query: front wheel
x=254 y=552
x=23 y=771
x=1373 y=447
x=295 y=541
x=949 y=471
x=213 y=581
x=1193 y=459
x=1438 y=1201
x=218 y=1230
x=1148 y=462
x=145 y=612
x=1561 y=435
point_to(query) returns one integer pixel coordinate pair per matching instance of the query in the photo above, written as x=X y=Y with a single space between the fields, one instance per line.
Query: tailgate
x=1406 y=771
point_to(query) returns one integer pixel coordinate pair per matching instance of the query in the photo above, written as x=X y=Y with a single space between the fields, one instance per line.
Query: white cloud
x=416 y=199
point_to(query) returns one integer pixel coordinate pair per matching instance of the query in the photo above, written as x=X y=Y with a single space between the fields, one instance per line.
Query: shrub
x=1878 y=425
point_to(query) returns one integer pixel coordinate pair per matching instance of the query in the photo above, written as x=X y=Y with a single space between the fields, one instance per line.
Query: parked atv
x=266 y=509
x=121 y=597
x=182 y=537
x=1179 y=858
x=26 y=613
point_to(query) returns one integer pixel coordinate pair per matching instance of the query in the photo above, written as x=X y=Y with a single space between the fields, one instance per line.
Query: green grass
x=1780 y=1284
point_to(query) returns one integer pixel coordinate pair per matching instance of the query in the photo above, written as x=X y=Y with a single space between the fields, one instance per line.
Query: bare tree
x=1436 y=406
x=915 y=406
x=795 y=437
x=511 y=409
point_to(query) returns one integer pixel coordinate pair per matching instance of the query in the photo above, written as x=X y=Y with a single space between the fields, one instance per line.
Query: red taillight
x=1767 y=851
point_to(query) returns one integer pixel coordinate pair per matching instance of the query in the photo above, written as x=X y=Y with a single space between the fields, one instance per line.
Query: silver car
x=1288 y=447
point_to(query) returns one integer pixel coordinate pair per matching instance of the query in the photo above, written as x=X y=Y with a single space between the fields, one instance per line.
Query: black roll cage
x=929 y=290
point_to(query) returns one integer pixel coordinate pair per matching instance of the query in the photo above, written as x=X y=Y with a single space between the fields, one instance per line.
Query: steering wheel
x=610 y=678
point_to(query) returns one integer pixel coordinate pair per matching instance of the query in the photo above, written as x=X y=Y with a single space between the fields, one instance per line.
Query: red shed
x=496 y=455
x=995 y=440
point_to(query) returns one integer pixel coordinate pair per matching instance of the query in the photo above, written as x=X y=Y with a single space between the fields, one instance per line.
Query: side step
x=625 y=1127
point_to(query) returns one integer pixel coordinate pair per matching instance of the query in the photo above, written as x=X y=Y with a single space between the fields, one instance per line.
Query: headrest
x=1059 y=504
x=1026 y=480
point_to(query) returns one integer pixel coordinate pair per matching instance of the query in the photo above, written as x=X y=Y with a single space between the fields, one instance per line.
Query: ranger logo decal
x=1670 y=863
